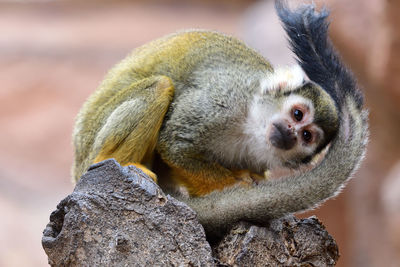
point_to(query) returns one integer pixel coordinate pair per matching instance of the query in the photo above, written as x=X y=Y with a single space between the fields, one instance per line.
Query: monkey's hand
x=246 y=177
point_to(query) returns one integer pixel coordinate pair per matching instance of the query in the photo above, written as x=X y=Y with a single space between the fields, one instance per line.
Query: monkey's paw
x=247 y=177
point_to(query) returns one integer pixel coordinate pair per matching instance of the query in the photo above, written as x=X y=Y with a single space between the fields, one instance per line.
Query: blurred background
x=53 y=54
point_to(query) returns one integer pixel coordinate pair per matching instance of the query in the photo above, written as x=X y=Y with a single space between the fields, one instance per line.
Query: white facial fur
x=262 y=114
x=255 y=130
x=251 y=143
x=259 y=124
x=284 y=78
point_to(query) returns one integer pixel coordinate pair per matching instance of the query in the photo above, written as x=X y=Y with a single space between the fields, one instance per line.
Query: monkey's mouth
x=282 y=137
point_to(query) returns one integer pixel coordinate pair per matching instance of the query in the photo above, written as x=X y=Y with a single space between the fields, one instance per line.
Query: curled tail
x=218 y=211
x=307 y=31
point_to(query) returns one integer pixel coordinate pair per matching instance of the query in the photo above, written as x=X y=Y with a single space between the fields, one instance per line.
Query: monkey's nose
x=282 y=136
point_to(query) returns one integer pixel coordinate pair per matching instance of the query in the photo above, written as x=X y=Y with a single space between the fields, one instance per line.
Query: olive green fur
x=193 y=60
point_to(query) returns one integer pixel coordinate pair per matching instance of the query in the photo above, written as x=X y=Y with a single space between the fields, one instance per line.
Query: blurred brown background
x=53 y=54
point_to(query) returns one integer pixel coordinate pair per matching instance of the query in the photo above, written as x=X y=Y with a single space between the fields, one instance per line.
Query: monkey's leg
x=201 y=177
x=130 y=133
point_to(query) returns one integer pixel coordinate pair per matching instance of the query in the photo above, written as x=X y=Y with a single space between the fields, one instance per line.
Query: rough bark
x=117 y=216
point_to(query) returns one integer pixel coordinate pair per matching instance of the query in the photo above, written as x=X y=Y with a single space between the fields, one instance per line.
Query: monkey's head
x=305 y=122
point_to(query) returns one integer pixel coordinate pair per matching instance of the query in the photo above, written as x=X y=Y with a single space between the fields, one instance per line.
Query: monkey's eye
x=298 y=115
x=307 y=136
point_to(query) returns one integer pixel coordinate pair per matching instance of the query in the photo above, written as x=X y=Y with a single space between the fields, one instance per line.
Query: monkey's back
x=194 y=60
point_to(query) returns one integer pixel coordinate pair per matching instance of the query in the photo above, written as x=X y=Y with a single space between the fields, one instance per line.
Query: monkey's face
x=288 y=121
x=292 y=132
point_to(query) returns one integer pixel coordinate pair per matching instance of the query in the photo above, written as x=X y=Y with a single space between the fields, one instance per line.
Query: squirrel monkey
x=219 y=115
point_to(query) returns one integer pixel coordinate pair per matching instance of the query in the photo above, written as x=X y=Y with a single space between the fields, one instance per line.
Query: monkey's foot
x=144 y=169
x=248 y=178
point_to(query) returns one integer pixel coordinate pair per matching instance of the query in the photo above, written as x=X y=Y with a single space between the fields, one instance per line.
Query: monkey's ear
x=283 y=79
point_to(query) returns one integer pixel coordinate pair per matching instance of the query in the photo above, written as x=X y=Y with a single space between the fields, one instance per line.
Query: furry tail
x=307 y=30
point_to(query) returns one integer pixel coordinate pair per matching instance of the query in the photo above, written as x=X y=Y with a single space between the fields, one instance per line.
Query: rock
x=117 y=216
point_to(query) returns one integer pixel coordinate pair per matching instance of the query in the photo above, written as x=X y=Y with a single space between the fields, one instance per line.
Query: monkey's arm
x=130 y=133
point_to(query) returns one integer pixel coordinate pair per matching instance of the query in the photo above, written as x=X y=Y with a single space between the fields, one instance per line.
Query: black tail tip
x=305 y=12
